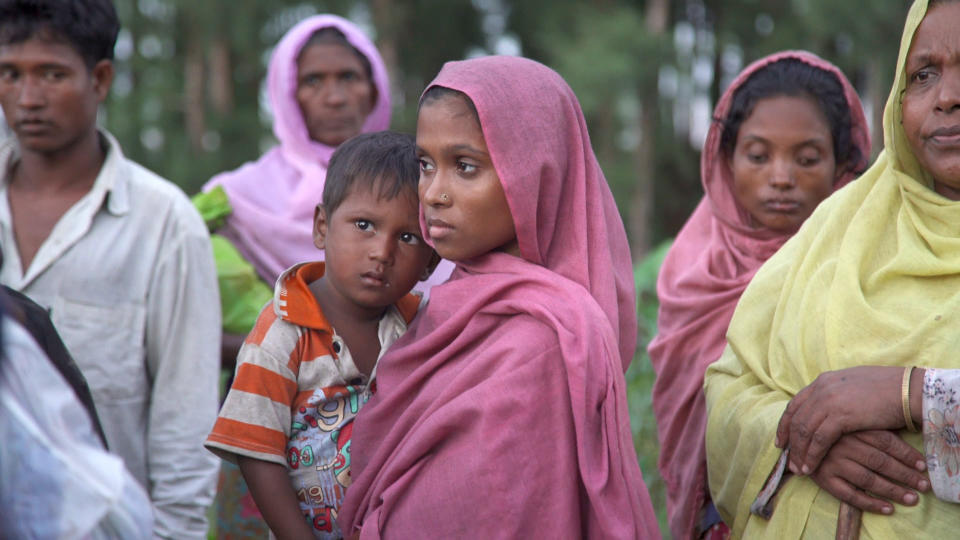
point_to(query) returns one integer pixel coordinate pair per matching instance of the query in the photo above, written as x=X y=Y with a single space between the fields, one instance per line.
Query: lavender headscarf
x=274 y=197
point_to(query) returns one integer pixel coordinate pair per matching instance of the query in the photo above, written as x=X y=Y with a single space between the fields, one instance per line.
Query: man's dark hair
x=796 y=78
x=385 y=161
x=89 y=26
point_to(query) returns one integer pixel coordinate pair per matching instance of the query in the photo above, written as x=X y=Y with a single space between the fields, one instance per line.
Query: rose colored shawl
x=502 y=412
x=274 y=197
x=710 y=264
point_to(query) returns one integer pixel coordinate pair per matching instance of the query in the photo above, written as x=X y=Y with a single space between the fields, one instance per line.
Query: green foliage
x=640 y=379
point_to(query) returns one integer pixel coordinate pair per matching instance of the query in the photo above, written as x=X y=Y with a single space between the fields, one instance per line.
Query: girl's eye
x=53 y=75
x=425 y=166
x=465 y=167
x=363 y=225
x=757 y=158
x=808 y=161
x=410 y=238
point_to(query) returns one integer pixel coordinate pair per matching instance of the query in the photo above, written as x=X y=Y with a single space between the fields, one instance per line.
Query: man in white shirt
x=117 y=254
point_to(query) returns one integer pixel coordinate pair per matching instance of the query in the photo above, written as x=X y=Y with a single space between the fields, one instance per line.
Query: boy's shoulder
x=294 y=301
x=410 y=304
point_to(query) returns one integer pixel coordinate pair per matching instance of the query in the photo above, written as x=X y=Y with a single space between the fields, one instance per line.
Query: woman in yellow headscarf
x=868 y=288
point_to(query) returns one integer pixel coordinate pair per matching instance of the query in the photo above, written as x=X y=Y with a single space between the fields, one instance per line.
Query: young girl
x=502 y=412
x=787 y=133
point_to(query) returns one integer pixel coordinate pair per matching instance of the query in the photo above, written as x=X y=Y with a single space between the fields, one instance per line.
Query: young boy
x=307 y=366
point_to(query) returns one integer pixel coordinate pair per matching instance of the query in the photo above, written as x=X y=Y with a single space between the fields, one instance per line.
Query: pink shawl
x=710 y=264
x=502 y=412
x=274 y=197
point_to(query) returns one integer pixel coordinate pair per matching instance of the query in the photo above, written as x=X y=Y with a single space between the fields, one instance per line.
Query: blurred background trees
x=188 y=100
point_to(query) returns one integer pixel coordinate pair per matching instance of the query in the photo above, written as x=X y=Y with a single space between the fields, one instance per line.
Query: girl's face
x=931 y=100
x=463 y=202
x=783 y=163
x=333 y=91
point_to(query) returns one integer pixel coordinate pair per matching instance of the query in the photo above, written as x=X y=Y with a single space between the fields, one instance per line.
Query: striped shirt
x=296 y=392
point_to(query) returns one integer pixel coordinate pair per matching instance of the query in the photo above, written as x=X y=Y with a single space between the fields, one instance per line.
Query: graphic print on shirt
x=318 y=453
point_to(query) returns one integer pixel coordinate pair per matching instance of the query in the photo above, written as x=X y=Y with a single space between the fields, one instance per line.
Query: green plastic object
x=242 y=293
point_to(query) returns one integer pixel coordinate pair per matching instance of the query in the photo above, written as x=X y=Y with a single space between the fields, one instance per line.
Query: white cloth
x=941 y=431
x=129 y=277
x=56 y=479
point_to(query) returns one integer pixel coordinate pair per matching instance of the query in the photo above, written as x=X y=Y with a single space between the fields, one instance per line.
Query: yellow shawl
x=872 y=278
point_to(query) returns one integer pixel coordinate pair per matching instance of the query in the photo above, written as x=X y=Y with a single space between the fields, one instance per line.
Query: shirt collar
x=110 y=181
x=294 y=302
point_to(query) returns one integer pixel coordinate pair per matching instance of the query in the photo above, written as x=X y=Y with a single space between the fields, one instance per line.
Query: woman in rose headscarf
x=326 y=83
x=835 y=322
x=786 y=133
x=502 y=412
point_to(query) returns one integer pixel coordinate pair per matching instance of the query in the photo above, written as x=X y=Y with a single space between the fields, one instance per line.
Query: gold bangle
x=905 y=393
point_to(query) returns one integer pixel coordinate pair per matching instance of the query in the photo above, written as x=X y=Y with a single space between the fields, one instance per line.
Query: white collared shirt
x=128 y=276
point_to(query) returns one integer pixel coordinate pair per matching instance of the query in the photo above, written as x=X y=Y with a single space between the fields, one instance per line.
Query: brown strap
x=848 y=522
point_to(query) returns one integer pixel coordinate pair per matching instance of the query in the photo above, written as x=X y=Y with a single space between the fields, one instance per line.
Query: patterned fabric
x=238 y=517
x=941 y=431
x=296 y=392
x=717 y=532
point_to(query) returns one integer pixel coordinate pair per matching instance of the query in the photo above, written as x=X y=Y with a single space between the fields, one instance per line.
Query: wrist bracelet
x=905 y=394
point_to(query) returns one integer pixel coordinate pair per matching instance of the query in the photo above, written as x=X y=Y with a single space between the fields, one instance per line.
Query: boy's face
x=49 y=96
x=375 y=253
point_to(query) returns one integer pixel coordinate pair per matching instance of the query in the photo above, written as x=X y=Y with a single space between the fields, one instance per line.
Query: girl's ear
x=320 y=227
x=431 y=266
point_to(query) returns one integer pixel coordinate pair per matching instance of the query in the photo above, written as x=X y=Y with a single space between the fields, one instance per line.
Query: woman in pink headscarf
x=502 y=412
x=326 y=83
x=787 y=132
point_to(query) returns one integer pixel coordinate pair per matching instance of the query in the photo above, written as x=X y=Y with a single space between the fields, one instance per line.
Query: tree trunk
x=221 y=76
x=385 y=20
x=642 y=199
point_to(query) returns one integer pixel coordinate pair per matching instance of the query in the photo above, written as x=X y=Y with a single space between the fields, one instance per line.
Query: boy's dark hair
x=385 y=160
x=439 y=92
x=331 y=35
x=796 y=78
x=89 y=26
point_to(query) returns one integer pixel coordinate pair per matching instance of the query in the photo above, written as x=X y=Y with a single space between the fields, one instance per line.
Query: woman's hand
x=837 y=403
x=871 y=469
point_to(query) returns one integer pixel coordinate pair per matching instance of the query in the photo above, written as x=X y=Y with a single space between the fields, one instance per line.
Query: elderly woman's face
x=931 y=100
x=334 y=93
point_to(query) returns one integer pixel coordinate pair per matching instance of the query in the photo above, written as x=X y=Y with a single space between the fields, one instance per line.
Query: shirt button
x=336 y=347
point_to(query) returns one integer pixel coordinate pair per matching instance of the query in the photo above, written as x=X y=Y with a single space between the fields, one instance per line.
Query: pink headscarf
x=273 y=198
x=502 y=412
x=707 y=269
